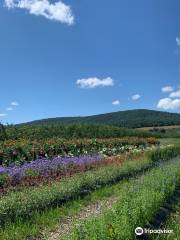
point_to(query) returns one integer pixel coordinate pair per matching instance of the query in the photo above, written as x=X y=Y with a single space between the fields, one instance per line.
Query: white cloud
x=57 y=11
x=135 y=97
x=167 y=89
x=178 y=41
x=175 y=94
x=14 y=103
x=116 y=102
x=95 y=82
x=3 y=114
x=9 y=109
x=168 y=103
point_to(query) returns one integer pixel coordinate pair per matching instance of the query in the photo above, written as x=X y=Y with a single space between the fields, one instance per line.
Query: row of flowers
x=22 y=150
x=43 y=167
x=46 y=171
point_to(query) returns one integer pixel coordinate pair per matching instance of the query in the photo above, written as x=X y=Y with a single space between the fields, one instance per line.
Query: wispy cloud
x=94 y=82
x=14 y=103
x=3 y=114
x=167 y=89
x=175 y=94
x=135 y=97
x=178 y=41
x=116 y=102
x=168 y=103
x=9 y=108
x=57 y=11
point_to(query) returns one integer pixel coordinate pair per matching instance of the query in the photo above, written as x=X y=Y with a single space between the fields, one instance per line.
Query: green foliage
x=170 y=141
x=68 y=131
x=21 y=204
x=3 y=135
x=137 y=206
x=22 y=150
x=4 y=178
x=164 y=153
x=172 y=223
x=166 y=132
x=31 y=173
x=130 y=119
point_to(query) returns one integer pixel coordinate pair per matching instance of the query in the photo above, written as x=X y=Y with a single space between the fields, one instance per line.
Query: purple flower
x=45 y=166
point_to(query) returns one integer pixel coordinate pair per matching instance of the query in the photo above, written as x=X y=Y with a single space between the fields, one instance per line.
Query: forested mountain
x=129 y=119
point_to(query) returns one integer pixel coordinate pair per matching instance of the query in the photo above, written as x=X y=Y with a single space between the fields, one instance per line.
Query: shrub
x=31 y=173
x=4 y=179
x=164 y=153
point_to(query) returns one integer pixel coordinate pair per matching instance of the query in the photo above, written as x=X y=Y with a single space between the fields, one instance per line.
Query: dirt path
x=92 y=210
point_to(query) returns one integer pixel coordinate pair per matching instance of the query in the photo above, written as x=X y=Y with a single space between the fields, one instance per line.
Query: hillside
x=129 y=119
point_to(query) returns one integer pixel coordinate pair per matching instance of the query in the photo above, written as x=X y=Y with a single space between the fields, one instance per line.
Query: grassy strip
x=167 y=141
x=22 y=204
x=49 y=219
x=172 y=223
x=138 y=205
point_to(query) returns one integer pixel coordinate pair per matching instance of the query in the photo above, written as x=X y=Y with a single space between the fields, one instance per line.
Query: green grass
x=139 y=203
x=172 y=223
x=49 y=219
x=31 y=211
x=22 y=204
x=161 y=127
x=164 y=153
x=170 y=141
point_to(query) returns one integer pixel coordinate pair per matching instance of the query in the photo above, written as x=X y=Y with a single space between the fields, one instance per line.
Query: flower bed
x=44 y=168
x=21 y=204
x=47 y=175
x=22 y=150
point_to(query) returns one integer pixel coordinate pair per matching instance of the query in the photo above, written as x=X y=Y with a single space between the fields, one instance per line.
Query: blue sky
x=72 y=58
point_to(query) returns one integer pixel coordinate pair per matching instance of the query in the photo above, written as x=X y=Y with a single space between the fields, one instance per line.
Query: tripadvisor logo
x=139 y=231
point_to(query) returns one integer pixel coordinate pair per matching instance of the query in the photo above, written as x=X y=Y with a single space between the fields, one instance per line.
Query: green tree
x=2 y=132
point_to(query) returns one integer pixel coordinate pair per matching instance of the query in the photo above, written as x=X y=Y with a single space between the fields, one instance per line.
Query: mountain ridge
x=129 y=118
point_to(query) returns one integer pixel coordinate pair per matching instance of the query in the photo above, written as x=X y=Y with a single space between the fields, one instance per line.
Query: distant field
x=167 y=141
x=161 y=127
x=163 y=131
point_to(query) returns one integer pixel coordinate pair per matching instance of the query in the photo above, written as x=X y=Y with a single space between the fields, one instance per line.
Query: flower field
x=45 y=168
x=40 y=178
x=89 y=120
x=22 y=150
x=57 y=158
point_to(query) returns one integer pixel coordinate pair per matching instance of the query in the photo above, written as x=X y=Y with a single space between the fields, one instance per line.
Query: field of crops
x=84 y=188
x=172 y=141
x=23 y=150
x=89 y=120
